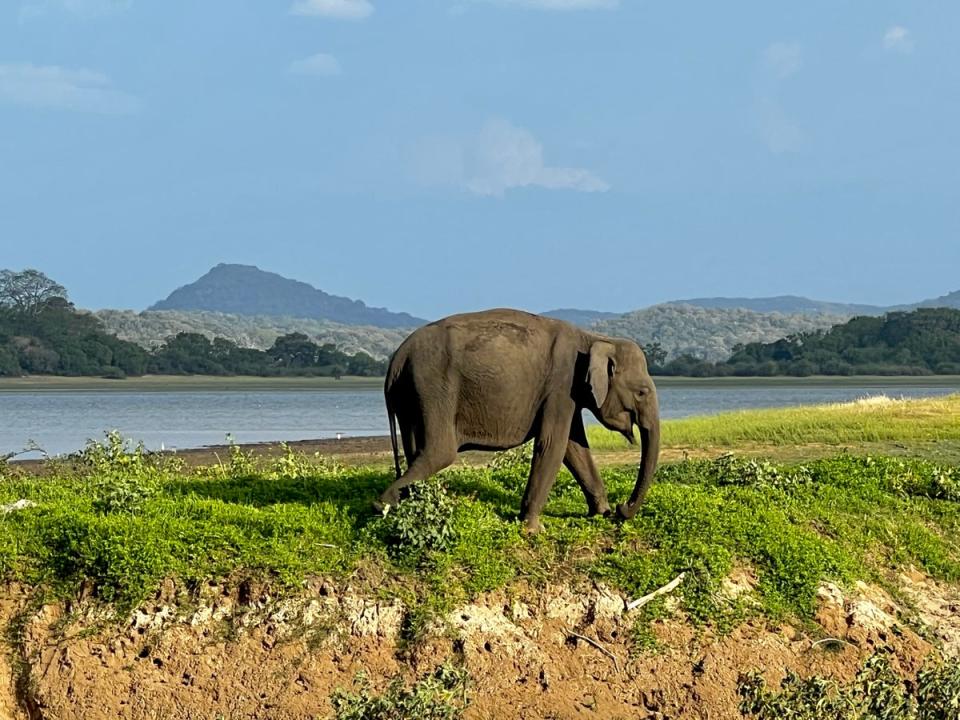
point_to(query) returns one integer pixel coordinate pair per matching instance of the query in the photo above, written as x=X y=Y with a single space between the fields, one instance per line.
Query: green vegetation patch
x=877 y=692
x=439 y=696
x=120 y=520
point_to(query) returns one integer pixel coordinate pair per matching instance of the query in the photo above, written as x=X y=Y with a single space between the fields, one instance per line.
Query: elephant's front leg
x=549 y=449
x=580 y=464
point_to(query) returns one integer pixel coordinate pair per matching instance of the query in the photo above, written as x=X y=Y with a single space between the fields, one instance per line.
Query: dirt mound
x=559 y=652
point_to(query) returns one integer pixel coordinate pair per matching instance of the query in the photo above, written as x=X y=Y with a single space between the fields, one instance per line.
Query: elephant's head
x=624 y=395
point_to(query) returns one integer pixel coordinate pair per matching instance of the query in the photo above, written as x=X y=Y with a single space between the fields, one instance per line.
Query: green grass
x=121 y=522
x=865 y=421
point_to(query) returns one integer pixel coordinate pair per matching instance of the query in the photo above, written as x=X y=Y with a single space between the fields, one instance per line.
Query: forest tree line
x=42 y=333
x=920 y=342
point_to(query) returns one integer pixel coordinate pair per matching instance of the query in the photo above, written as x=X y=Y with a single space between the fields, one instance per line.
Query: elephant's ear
x=600 y=370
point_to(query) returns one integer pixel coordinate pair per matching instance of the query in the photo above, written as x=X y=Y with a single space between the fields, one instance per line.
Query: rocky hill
x=710 y=334
x=248 y=290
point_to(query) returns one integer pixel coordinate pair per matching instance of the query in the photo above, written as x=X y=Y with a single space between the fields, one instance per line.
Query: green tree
x=294 y=350
x=28 y=291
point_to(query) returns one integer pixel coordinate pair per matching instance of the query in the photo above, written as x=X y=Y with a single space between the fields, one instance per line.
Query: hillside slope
x=950 y=300
x=710 y=334
x=786 y=304
x=584 y=318
x=150 y=328
x=248 y=290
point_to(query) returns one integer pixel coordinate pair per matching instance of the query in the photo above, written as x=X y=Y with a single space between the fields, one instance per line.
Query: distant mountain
x=584 y=318
x=787 y=304
x=248 y=290
x=709 y=333
x=950 y=300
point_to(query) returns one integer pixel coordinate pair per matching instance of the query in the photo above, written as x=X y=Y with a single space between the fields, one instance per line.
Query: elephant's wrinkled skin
x=493 y=380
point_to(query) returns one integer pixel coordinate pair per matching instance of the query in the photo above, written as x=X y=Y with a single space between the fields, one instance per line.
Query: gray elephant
x=493 y=380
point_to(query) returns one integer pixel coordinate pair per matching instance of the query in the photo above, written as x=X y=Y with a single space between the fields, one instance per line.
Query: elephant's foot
x=386 y=501
x=532 y=525
x=603 y=510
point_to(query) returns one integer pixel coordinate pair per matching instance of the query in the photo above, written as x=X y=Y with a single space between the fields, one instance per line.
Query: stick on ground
x=669 y=587
x=598 y=646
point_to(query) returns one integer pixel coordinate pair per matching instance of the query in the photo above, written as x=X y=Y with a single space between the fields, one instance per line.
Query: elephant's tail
x=393 y=374
x=393 y=439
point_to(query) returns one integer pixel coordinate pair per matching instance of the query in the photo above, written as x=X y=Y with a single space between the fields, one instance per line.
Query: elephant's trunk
x=650 y=449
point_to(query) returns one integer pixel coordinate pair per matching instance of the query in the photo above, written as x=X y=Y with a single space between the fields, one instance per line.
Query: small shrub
x=511 y=468
x=877 y=693
x=421 y=522
x=293 y=465
x=440 y=696
x=242 y=464
x=123 y=475
x=938 y=692
x=814 y=698
x=728 y=469
x=122 y=494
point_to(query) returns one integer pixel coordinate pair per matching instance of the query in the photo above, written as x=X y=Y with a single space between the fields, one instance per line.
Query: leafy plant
x=123 y=476
x=422 y=522
x=511 y=468
x=439 y=696
x=242 y=464
x=293 y=465
x=877 y=693
x=729 y=469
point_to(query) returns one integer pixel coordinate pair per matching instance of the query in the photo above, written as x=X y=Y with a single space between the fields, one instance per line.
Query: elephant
x=493 y=380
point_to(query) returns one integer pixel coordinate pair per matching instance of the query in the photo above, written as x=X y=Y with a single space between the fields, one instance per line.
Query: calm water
x=60 y=421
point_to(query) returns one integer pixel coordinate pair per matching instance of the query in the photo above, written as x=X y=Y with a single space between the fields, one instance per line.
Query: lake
x=61 y=418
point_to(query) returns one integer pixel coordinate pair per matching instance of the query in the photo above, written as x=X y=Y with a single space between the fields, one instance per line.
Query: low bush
x=439 y=696
x=877 y=693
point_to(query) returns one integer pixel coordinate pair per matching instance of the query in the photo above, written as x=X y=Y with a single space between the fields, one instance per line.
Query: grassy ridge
x=863 y=421
x=122 y=521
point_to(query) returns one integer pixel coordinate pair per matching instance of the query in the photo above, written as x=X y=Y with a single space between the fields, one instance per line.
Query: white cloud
x=336 y=9
x=783 y=59
x=320 y=64
x=499 y=158
x=898 y=39
x=50 y=86
x=31 y=9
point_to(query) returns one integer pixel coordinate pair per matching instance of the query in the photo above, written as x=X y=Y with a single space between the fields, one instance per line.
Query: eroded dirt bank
x=237 y=652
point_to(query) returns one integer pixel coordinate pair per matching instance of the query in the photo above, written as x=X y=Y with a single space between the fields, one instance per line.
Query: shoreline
x=193 y=383
x=185 y=383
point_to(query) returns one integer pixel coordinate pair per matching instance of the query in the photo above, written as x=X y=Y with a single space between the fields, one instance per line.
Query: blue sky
x=436 y=156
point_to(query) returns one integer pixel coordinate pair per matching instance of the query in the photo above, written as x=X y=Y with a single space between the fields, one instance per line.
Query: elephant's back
x=476 y=347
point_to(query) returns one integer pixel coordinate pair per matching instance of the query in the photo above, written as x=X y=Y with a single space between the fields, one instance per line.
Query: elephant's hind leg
x=580 y=463
x=438 y=451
